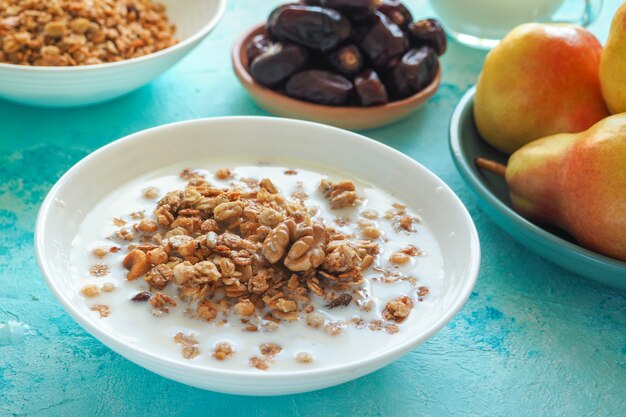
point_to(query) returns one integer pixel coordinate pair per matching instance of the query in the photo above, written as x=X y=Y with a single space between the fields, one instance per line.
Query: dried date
x=347 y=60
x=278 y=63
x=321 y=87
x=430 y=33
x=414 y=72
x=396 y=12
x=310 y=26
x=384 y=43
x=369 y=89
x=353 y=9
x=257 y=46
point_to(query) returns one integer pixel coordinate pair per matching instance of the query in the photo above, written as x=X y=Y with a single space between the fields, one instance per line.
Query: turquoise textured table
x=533 y=340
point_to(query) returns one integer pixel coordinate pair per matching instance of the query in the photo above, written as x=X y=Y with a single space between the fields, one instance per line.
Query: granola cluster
x=245 y=250
x=81 y=32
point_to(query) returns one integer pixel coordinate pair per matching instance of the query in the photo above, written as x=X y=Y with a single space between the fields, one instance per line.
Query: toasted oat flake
x=371 y=232
x=334 y=328
x=392 y=328
x=185 y=339
x=99 y=270
x=369 y=214
x=315 y=320
x=304 y=357
x=270 y=349
x=90 y=291
x=150 y=193
x=102 y=309
x=422 y=291
x=411 y=250
x=108 y=287
x=190 y=352
x=223 y=351
x=259 y=363
x=223 y=174
x=124 y=234
x=100 y=252
x=119 y=222
x=399 y=258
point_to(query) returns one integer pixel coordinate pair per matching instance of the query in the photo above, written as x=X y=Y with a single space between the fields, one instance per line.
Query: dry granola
x=81 y=32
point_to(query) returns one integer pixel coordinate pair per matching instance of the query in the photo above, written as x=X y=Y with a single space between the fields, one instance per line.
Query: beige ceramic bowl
x=356 y=118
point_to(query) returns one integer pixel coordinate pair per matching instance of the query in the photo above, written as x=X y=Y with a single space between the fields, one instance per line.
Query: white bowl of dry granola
x=256 y=256
x=76 y=53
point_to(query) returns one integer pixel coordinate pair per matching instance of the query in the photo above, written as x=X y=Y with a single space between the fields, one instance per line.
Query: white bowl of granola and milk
x=257 y=256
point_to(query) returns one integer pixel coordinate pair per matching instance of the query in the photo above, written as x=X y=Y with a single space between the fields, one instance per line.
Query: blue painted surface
x=533 y=340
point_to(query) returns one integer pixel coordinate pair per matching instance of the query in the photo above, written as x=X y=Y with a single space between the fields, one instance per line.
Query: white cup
x=482 y=23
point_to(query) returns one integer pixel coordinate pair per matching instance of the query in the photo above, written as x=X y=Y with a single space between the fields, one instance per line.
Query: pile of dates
x=346 y=52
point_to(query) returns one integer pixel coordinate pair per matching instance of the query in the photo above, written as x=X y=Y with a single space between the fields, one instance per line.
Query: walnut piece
x=162 y=302
x=308 y=251
x=276 y=243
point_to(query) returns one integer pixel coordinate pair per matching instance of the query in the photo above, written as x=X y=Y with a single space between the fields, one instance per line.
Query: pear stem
x=491 y=166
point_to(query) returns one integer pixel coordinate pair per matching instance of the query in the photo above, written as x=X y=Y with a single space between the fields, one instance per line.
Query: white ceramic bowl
x=265 y=139
x=90 y=84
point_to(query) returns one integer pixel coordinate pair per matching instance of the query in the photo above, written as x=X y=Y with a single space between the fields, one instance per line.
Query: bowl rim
x=241 y=70
x=208 y=27
x=383 y=358
x=460 y=159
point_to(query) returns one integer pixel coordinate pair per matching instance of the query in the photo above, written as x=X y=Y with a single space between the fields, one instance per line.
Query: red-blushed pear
x=613 y=64
x=576 y=181
x=540 y=80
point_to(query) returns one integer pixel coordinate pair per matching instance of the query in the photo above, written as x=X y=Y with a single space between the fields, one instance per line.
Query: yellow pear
x=613 y=64
x=542 y=79
x=576 y=181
